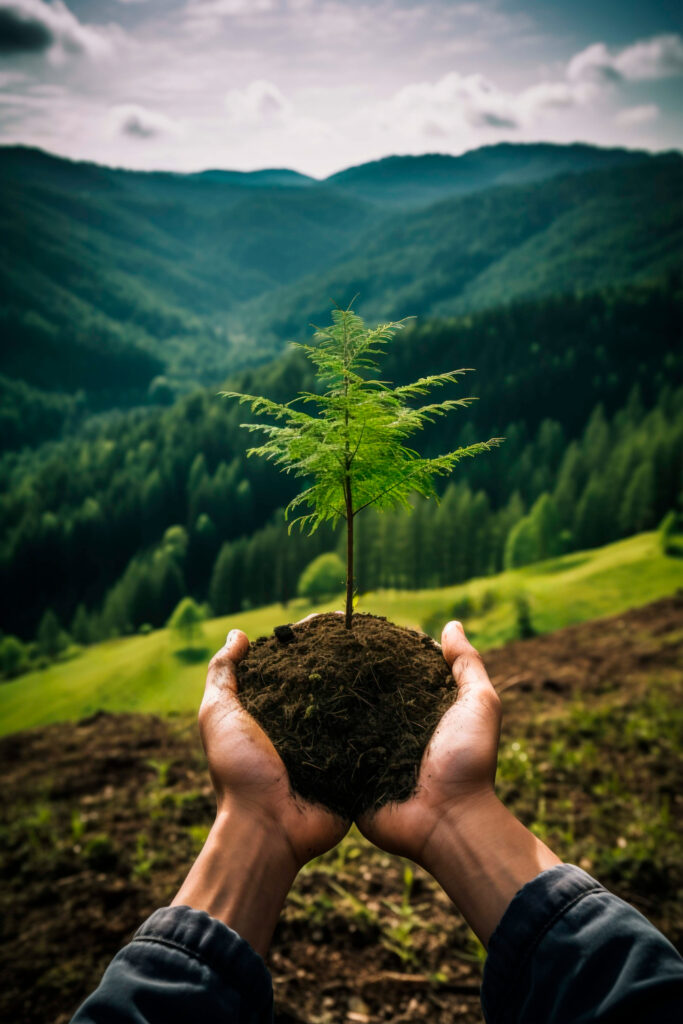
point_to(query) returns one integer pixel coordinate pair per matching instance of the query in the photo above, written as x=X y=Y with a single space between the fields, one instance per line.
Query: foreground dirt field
x=101 y=819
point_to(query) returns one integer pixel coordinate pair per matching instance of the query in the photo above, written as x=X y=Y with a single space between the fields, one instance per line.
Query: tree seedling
x=353 y=452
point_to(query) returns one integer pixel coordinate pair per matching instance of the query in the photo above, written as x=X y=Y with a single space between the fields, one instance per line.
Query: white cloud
x=314 y=84
x=648 y=59
x=228 y=8
x=456 y=102
x=260 y=103
x=211 y=12
x=138 y=122
x=455 y=105
x=633 y=116
x=33 y=27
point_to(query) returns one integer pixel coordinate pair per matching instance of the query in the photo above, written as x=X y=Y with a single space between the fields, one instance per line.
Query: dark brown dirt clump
x=349 y=711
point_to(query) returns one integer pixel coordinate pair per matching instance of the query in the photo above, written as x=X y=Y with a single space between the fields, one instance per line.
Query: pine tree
x=80 y=627
x=592 y=521
x=546 y=524
x=521 y=547
x=569 y=483
x=667 y=532
x=353 y=453
x=637 y=511
x=51 y=638
x=227 y=580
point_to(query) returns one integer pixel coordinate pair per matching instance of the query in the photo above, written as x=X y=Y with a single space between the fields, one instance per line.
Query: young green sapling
x=353 y=452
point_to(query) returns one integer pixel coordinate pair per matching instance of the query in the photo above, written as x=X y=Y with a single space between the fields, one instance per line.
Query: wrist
x=452 y=822
x=482 y=856
x=242 y=875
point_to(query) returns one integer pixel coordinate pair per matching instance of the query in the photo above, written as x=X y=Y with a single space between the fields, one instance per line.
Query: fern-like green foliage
x=354 y=451
x=357 y=441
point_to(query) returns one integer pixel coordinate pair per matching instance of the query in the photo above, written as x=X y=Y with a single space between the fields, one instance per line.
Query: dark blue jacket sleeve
x=567 y=951
x=182 y=966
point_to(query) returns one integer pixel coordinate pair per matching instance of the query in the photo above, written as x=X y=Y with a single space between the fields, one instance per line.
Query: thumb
x=220 y=691
x=474 y=685
x=454 y=642
x=221 y=674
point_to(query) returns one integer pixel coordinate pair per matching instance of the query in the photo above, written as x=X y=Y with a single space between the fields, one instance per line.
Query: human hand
x=263 y=833
x=454 y=825
x=459 y=765
x=247 y=773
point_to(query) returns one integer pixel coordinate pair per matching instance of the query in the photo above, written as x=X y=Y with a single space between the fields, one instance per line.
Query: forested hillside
x=554 y=271
x=122 y=289
x=419 y=180
x=147 y=264
x=135 y=511
x=579 y=231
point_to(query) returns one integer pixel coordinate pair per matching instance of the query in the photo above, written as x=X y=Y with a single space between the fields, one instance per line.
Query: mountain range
x=111 y=279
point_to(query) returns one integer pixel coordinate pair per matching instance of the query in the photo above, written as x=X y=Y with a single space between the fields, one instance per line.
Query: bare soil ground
x=101 y=819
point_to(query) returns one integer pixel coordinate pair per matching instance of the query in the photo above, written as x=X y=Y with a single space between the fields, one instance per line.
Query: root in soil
x=349 y=711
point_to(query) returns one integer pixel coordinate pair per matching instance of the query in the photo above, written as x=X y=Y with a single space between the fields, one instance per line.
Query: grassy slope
x=142 y=673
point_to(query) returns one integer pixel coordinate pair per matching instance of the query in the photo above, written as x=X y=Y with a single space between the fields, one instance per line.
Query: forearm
x=482 y=855
x=183 y=964
x=242 y=876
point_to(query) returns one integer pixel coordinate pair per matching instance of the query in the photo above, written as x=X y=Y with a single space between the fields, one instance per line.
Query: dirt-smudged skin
x=349 y=711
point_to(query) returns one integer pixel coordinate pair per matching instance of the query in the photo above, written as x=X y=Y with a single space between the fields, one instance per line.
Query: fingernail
x=230 y=636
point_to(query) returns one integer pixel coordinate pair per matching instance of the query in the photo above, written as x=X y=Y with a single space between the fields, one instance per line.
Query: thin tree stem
x=349 y=552
x=348 y=497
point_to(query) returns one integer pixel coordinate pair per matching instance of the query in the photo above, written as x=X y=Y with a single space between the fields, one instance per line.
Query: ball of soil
x=349 y=711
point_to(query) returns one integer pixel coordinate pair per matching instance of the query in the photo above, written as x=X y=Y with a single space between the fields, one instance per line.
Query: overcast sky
x=318 y=85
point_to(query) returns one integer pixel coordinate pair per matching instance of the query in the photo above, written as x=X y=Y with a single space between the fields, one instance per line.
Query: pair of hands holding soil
x=453 y=825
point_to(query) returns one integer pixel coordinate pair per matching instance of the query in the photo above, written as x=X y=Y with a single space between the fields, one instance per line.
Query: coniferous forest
x=125 y=484
x=136 y=509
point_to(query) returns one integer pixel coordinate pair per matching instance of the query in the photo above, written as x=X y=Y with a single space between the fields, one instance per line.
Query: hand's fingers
x=221 y=674
x=474 y=685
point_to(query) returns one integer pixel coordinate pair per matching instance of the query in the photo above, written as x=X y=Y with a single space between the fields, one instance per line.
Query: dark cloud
x=137 y=127
x=496 y=120
x=138 y=122
x=33 y=26
x=22 y=32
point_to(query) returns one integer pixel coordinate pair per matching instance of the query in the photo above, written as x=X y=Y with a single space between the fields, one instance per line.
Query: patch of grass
x=100 y=853
x=398 y=934
x=571 y=777
x=142 y=673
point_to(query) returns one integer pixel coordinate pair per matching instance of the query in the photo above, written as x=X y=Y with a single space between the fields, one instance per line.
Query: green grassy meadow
x=143 y=673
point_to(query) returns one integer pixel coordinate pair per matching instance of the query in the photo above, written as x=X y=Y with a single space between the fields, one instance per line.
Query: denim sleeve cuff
x=532 y=913
x=202 y=937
